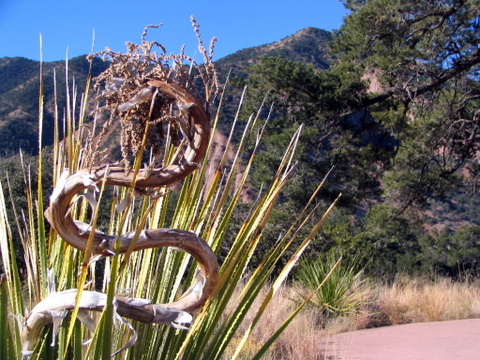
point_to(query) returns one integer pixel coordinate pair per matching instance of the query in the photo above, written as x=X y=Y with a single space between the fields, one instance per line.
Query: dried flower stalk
x=145 y=93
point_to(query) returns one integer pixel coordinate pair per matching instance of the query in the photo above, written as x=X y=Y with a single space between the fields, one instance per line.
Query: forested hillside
x=389 y=105
x=19 y=92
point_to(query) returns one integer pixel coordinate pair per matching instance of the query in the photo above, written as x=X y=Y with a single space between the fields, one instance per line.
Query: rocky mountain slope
x=309 y=45
x=20 y=79
x=19 y=98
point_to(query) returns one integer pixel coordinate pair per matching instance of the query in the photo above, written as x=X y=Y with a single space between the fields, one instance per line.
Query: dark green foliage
x=425 y=58
x=420 y=45
x=392 y=241
x=396 y=115
x=452 y=253
x=307 y=46
x=381 y=243
x=458 y=207
x=355 y=145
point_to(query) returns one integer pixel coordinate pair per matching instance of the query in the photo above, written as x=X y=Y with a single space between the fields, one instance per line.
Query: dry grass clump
x=413 y=300
x=300 y=340
x=407 y=300
x=420 y=300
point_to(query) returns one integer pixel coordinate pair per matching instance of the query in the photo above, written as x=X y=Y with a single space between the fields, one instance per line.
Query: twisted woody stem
x=77 y=236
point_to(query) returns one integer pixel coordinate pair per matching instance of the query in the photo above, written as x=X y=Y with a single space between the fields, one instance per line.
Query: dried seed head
x=128 y=99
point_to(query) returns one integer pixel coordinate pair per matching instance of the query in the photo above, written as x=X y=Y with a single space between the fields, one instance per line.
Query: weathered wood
x=59 y=216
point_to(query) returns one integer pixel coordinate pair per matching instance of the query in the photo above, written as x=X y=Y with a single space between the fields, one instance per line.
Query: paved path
x=445 y=340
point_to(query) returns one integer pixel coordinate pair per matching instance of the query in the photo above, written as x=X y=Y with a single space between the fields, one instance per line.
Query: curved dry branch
x=77 y=234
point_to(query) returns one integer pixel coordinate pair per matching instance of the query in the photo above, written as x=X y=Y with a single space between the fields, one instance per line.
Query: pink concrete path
x=445 y=340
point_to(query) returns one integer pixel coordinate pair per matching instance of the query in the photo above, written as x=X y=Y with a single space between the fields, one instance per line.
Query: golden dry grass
x=417 y=300
x=407 y=300
x=298 y=341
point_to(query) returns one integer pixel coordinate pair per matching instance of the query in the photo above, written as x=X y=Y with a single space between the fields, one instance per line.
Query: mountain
x=19 y=83
x=309 y=46
x=19 y=94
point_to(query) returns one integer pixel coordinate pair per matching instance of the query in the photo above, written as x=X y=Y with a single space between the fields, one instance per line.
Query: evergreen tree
x=396 y=115
x=421 y=61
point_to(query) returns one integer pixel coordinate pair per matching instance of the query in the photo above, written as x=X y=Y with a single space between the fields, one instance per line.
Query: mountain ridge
x=20 y=81
x=308 y=45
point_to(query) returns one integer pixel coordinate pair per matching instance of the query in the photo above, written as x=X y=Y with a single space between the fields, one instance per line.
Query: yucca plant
x=343 y=292
x=148 y=286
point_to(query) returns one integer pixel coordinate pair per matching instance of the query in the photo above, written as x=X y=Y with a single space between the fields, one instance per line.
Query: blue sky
x=72 y=25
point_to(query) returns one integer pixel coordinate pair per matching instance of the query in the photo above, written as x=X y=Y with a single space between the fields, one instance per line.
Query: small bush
x=340 y=288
